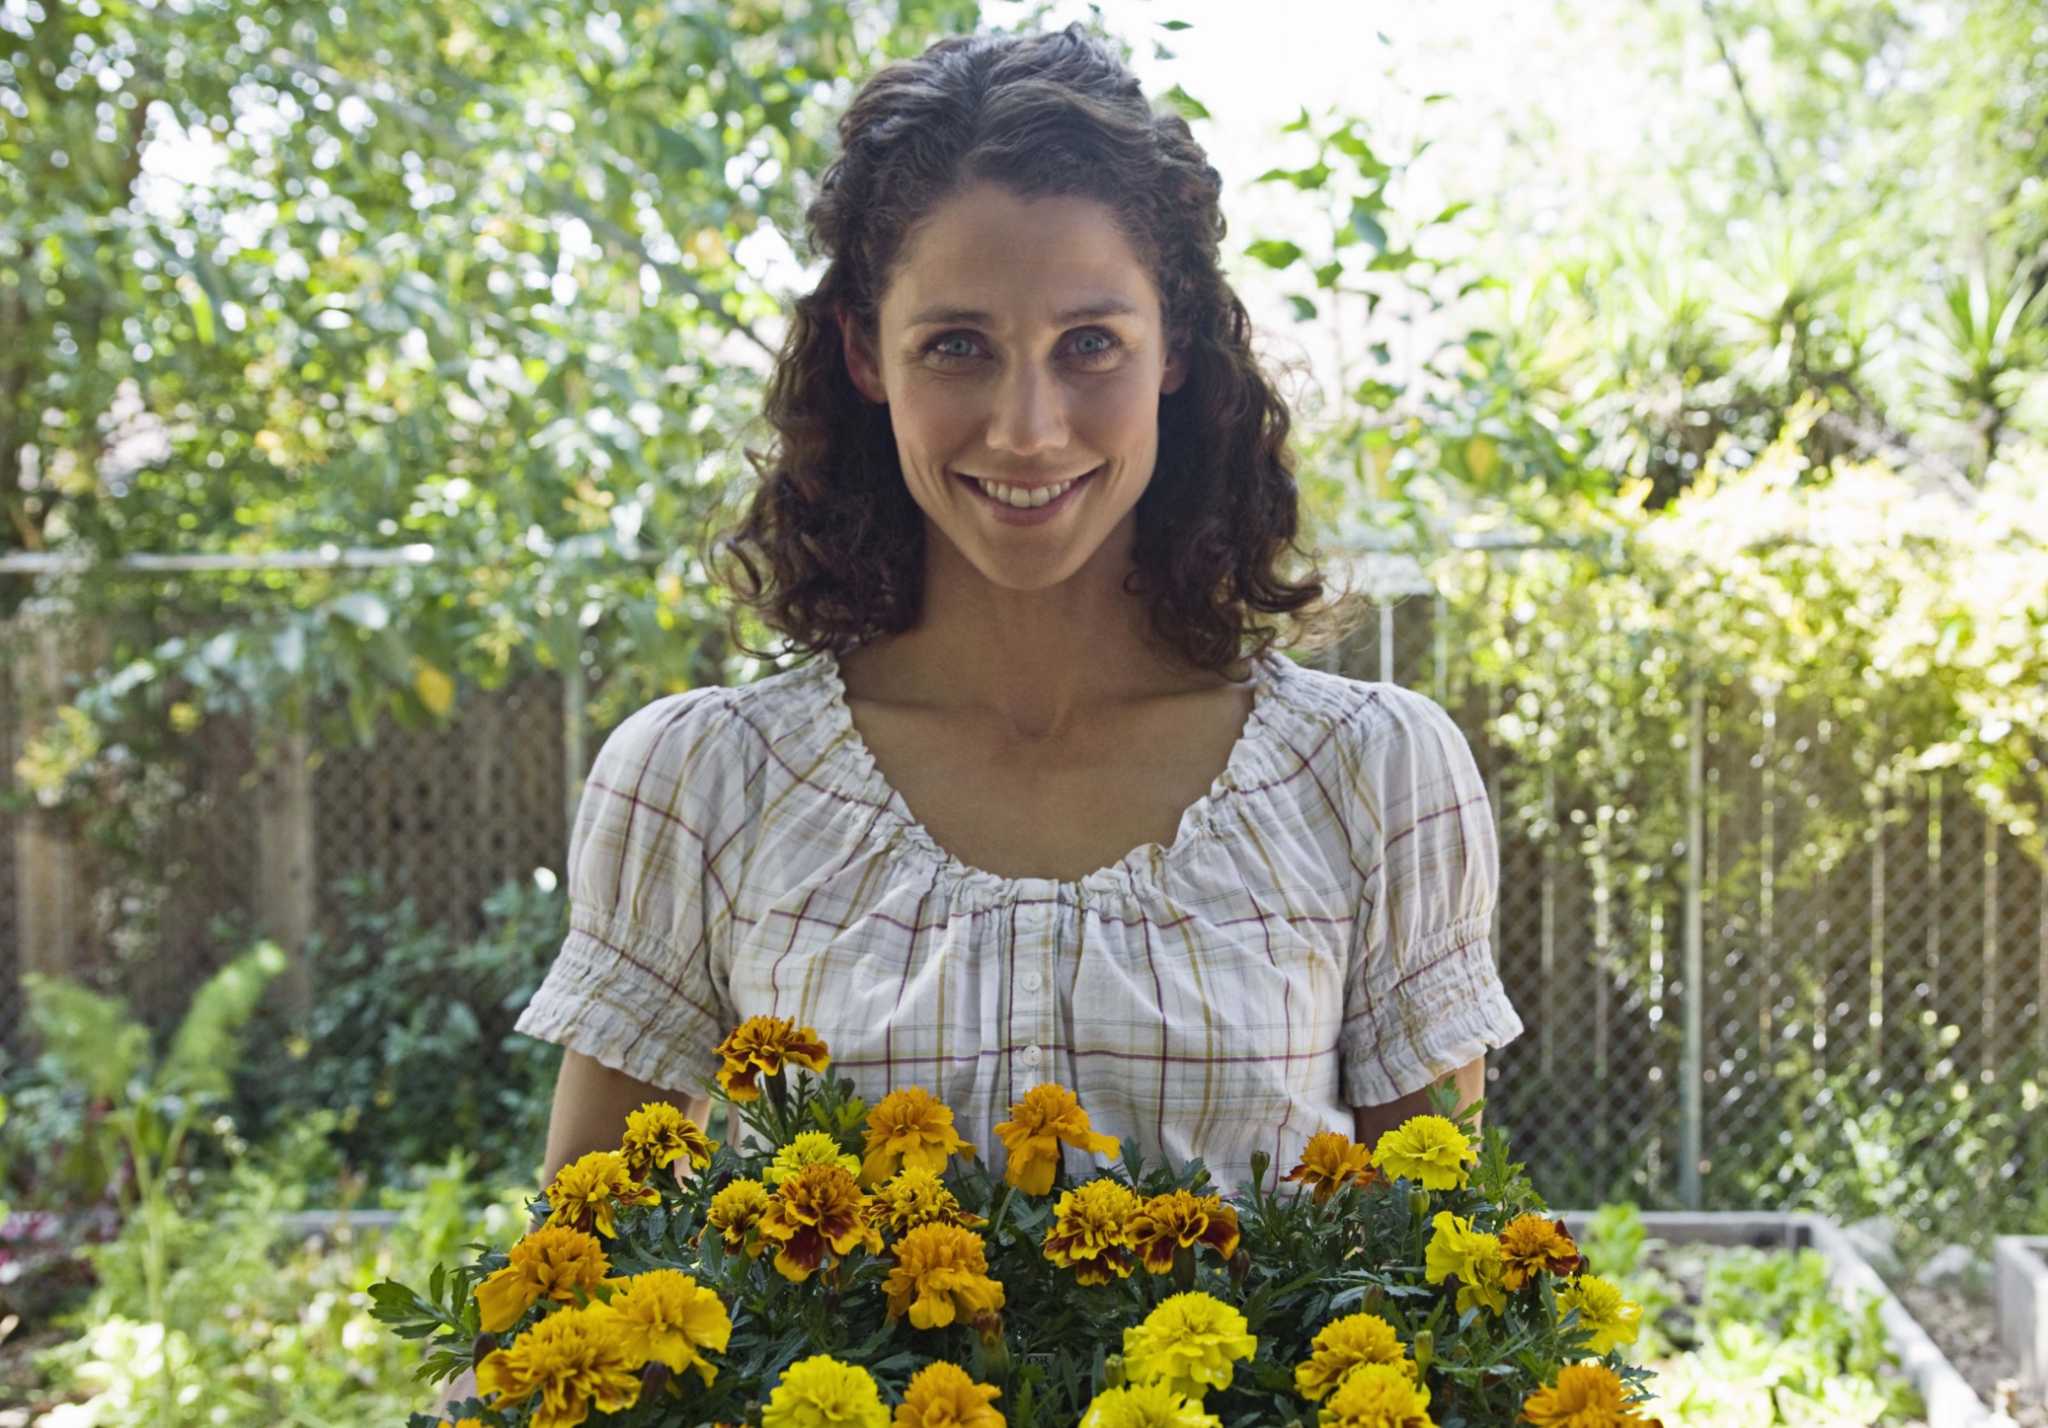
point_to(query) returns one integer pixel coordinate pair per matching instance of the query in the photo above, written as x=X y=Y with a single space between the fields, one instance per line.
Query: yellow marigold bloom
x=1455 y=1248
x=576 y=1360
x=1611 y=1318
x=1090 y=1231
x=551 y=1263
x=736 y=1209
x=760 y=1046
x=1584 y=1396
x=1530 y=1244
x=809 y=1148
x=658 y=1135
x=463 y=1423
x=1047 y=1115
x=821 y=1392
x=1190 y=1342
x=1329 y=1162
x=1181 y=1219
x=942 y=1395
x=941 y=1273
x=1341 y=1346
x=587 y=1192
x=668 y=1317
x=1429 y=1149
x=917 y=1197
x=1147 y=1405
x=909 y=1128
x=818 y=1208
x=1378 y=1396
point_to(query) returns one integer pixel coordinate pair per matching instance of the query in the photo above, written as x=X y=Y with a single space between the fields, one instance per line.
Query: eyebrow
x=1106 y=307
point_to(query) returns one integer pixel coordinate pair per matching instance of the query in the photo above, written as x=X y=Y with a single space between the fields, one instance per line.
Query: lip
x=1011 y=515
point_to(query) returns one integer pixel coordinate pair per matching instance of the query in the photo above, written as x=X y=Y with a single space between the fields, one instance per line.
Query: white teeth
x=1022 y=497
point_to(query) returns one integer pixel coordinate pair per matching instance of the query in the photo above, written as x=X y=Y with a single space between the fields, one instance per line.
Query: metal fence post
x=1695 y=957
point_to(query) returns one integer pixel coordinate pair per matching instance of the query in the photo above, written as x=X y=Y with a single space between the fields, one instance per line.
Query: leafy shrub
x=409 y=1038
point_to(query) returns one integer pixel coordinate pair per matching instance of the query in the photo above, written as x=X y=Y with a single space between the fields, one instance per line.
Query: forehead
x=987 y=255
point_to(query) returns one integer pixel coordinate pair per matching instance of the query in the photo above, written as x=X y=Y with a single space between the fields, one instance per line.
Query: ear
x=1176 y=370
x=860 y=364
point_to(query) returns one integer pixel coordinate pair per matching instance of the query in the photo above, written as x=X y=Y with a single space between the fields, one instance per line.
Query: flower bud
x=485 y=1345
x=1184 y=1267
x=1425 y=1353
x=1113 y=1371
x=1260 y=1163
x=1240 y=1267
x=653 y=1379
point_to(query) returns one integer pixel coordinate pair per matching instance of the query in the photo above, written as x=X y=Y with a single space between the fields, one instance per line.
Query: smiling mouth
x=1025 y=498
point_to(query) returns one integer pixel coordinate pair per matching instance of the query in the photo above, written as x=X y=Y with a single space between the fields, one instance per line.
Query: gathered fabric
x=1317 y=936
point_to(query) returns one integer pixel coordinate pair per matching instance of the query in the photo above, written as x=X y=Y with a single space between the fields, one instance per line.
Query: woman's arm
x=1373 y=1121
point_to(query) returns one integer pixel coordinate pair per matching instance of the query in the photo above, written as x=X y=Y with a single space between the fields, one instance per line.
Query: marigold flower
x=917 y=1197
x=941 y=1273
x=1329 y=1162
x=1182 y=1219
x=1611 y=1318
x=942 y=1395
x=1377 y=1396
x=1341 y=1346
x=809 y=1148
x=1090 y=1231
x=1455 y=1248
x=1584 y=1396
x=1429 y=1149
x=551 y=1263
x=1530 y=1244
x=1189 y=1342
x=1047 y=1115
x=821 y=1392
x=587 y=1192
x=759 y=1047
x=658 y=1135
x=909 y=1128
x=576 y=1360
x=1147 y=1405
x=736 y=1209
x=669 y=1318
x=818 y=1208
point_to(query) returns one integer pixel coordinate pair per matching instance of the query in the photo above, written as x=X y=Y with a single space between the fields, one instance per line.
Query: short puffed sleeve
x=1422 y=996
x=640 y=982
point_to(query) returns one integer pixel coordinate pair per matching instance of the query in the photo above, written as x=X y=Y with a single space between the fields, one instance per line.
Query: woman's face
x=1020 y=341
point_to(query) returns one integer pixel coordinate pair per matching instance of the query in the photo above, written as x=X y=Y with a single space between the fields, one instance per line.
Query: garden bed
x=1681 y=1248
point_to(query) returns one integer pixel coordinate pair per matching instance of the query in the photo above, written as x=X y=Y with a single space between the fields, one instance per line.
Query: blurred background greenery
x=1672 y=382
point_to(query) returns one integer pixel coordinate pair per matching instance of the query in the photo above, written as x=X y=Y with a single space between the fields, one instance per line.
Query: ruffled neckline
x=1134 y=871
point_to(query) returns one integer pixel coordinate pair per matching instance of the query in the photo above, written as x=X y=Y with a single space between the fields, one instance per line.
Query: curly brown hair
x=830 y=550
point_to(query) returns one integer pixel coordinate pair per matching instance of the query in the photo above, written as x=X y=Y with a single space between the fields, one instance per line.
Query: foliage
x=257 y=1328
x=410 y=1040
x=1052 y=1344
x=1769 y=1342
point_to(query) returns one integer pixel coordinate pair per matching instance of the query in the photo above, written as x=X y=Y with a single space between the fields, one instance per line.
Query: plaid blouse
x=1317 y=936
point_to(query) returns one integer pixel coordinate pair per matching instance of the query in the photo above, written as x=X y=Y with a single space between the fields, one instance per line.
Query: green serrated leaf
x=1273 y=252
x=1189 y=106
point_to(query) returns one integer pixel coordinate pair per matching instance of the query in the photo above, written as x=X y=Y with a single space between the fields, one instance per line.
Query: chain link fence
x=1873 y=963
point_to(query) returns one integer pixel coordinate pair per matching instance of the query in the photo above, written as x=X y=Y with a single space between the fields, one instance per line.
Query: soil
x=1962 y=1320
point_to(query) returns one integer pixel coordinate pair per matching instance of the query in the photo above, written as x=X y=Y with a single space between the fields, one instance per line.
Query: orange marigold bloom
x=658 y=1135
x=1530 y=1244
x=1330 y=1161
x=760 y=1046
x=941 y=1274
x=588 y=1191
x=819 y=1208
x=1584 y=1396
x=942 y=1395
x=1181 y=1219
x=1090 y=1231
x=1047 y=1115
x=736 y=1209
x=551 y=1263
x=909 y=1128
x=917 y=1197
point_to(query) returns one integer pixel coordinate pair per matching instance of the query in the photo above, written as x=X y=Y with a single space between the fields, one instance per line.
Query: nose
x=1030 y=413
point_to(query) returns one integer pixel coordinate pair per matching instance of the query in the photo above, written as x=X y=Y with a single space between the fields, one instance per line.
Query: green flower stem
x=995 y=1221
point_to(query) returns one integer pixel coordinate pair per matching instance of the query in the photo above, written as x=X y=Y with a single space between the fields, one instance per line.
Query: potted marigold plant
x=856 y=1266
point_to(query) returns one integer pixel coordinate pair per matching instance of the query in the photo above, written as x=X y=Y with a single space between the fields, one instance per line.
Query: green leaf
x=206 y=1046
x=1328 y=273
x=93 y=1040
x=1189 y=106
x=1366 y=224
x=1175 y=25
x=1304 y=310
x=1273 y=252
